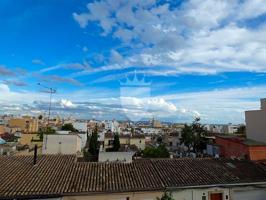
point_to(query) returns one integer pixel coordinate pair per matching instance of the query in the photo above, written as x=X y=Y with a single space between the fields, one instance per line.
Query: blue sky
x=201 y=58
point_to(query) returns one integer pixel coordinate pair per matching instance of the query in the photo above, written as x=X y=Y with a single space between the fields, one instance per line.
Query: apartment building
x=129 y=140
x=25 y=124
x=255 y=123
x=242 y=148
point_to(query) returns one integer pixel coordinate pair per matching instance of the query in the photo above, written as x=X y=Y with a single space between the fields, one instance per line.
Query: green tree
x=192 y=135
x=162 y=151
x=40 y=117
x=156 y=152
x=132 y=131
x=68 y=127
x=93 y=144
x=116 y=144
x=45 y=131
x=199 y=133
x=160 y=140
x=187 y=136
x=87 y=141
x=166 y=196
x=241 y=130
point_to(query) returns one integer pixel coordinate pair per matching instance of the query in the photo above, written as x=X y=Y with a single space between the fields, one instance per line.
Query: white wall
x=81 y=126
x=114 y=156
x=256 y=123
x=83 y=137
x=61 y=144
x=249 y=194
x=196 y=194
x=236 y=193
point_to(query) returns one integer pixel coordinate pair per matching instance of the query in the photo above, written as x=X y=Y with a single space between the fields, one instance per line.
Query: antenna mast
x=50 y=91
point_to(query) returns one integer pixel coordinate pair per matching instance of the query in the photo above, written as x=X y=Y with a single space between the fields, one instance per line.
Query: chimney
x=35 y=154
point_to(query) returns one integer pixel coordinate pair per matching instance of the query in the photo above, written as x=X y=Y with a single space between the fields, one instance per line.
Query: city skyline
x=202 y=60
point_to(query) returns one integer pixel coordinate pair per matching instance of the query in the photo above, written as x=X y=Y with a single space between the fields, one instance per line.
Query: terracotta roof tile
x=62 y=174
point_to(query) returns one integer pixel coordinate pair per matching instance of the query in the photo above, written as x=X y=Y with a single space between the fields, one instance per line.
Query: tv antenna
x=51 y=91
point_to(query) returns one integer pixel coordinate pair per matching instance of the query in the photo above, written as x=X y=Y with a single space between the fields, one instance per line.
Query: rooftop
x=62 y=175
x=135 y=136
x=241 y=140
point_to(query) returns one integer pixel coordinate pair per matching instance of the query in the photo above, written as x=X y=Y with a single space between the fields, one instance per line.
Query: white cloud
x=4 y=88
x=68 y=66
x=251 y=9
x=82 y=19
x=115 y=57
x=198 y=37
x=214 y=106
x=67 y=104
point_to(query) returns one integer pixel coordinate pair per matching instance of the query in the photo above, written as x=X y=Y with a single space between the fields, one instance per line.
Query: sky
x=172 y=60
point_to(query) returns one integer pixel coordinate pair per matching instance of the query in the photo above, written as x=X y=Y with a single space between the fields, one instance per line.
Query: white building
x=83 y=136
x=81 y=126
x=256 y=124
x=113 y=126
x=151 y=131
x=230 y=128
x=125 y=157
x=61 y=144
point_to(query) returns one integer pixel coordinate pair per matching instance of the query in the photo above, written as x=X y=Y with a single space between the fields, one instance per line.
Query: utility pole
x=50 y=91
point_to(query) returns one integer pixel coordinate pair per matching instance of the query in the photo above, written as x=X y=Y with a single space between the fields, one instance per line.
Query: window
x=110 y=142
x=140 y=141
x=204 y=198
x=128 y=198
x=170 y=144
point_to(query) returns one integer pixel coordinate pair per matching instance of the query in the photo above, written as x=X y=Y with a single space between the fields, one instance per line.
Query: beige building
x=136 y=140
x=256 y=124
x=156 y=123
x=27 y=139
x=2 y=129
x=25 y=124
x=61 y=144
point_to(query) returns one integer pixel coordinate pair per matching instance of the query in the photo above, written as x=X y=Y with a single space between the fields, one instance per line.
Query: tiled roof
x=61 y=175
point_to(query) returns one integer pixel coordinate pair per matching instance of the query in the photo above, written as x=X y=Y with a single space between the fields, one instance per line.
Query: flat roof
x=241 y=140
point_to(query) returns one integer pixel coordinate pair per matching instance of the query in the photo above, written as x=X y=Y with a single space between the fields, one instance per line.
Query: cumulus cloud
x=4 y=88
x=213 y=106
x=205 y=37
x=67 y=104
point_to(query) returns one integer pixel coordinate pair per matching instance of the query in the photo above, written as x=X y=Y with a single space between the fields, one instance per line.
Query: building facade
x=235 y=147
x=255 y=123
x=61 y=144
x=24 y=124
